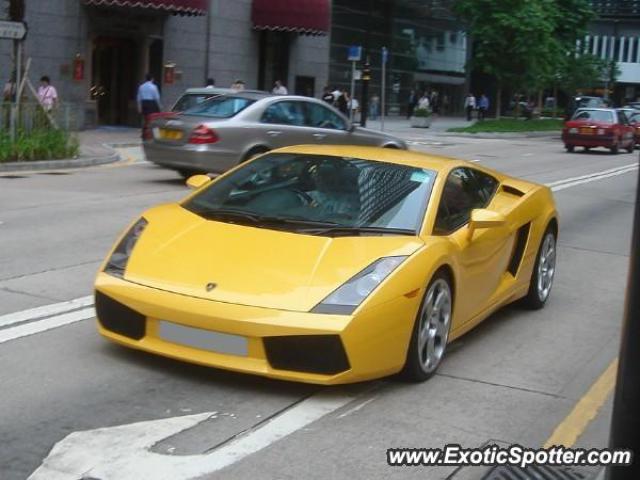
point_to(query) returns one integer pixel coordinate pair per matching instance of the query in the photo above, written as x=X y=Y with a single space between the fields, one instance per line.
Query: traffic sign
x=355 y=53
x=13 y=30
x=385 y=55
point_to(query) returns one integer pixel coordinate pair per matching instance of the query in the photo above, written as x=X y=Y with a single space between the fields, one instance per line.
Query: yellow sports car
x=328 y=264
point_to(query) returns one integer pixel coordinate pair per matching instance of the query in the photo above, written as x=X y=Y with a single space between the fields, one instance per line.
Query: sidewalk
x=96 y=148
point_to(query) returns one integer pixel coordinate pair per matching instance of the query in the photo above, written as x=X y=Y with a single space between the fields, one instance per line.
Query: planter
x=421 y=122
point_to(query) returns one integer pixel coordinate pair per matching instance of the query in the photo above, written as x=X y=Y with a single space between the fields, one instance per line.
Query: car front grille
x=322 y=354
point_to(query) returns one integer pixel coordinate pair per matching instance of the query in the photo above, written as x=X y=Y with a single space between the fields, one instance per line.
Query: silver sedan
x=226 y=130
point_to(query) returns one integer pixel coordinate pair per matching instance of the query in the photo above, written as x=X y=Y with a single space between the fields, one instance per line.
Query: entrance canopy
x=305 y=17
x=176 y=7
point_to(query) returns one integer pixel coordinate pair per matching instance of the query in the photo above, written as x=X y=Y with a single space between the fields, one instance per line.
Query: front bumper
x=199 y=158
x=288 y=345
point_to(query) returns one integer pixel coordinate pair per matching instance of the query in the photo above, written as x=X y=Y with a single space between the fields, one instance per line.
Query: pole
x=364 y=106
x=353 y=89
x=383 y=93
x=625 y=422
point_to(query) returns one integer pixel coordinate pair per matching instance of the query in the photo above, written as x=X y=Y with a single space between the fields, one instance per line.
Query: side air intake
x=518 y=250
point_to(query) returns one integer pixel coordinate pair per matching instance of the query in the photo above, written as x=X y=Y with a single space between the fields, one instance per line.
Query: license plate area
x=203 y=339
x=170 y=134
x=586 y=131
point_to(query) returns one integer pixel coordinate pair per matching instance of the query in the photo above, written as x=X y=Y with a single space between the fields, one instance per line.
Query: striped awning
x=305 y=17
x=177 y=7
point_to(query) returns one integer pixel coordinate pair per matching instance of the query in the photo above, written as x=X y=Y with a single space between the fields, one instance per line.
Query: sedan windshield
x=320 y=194
x=220 y=107
x=190 y=100
x=602 y=116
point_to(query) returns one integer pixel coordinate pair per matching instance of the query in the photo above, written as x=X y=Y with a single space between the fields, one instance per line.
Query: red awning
x=180 y=7
x=307 y=17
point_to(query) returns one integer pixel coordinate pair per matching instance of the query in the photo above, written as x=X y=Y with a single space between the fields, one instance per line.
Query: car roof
x=587 y=109
x=378 y=154
x=219 y=91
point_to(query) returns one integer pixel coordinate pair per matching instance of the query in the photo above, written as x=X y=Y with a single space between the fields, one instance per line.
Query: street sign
x=355 y=53
x=385 y=55
x=13 y=30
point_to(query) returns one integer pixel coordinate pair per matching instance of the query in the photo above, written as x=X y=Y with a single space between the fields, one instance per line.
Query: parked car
x=225 y=130
x=583 y=101
x=634 y=121
x=634 y=105
x=598 y=127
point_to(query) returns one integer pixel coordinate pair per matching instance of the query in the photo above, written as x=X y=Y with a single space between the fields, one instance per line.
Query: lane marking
x=587 y=408
x=592 y=177
x=123 y=452
x=45 y=311
x=49 y=323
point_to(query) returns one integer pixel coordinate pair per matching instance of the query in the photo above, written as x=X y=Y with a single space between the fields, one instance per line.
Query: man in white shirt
x=279 y=89
x=148 y=97
x=47 y=94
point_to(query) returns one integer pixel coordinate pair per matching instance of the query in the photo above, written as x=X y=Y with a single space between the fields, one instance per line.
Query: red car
x=634 y=121
x=598 y=127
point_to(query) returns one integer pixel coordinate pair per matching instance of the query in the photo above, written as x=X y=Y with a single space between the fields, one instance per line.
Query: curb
x=57 y=164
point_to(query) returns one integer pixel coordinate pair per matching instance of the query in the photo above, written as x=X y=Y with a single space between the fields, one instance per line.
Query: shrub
x=422 y=112
x=41 y=144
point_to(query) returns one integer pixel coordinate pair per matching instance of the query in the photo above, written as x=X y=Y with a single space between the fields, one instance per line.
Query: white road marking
x=45 y=311
x=123 y=452
x=49 y=323
x=592 y=177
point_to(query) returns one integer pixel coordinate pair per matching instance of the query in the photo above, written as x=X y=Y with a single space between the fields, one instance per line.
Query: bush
x=41 y=144
x=422 y=112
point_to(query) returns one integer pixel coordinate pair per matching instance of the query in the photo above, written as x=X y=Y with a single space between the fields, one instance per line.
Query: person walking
x=279 y=89
x=342 y=102
x=412 y=100
x=238 y=85
x=483 y=107
x=469 y=105
x=374 y=107
x=327 y=96
x=148 y=100
x=424 y=103
x=47 y=94
x=211 y=83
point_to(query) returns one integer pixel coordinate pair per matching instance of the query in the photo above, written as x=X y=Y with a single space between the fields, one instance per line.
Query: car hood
x=183 y=253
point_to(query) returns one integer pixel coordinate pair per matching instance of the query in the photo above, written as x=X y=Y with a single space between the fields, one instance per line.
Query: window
x=284 y=113
x=604 y=116
x=190 y=100
x=319 y=116
x=220 y=107
x=622 y=119
x=466 y=189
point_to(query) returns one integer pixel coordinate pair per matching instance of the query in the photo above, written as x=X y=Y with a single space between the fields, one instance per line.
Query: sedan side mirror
x=483 y=218
x=197 y=181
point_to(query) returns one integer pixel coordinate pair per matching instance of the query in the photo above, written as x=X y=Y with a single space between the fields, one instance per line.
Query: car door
x=626 y=130
x=482 y=259
x=283 y=123
x=328 y=126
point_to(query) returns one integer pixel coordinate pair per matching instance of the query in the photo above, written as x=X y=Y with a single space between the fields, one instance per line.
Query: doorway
x=114 y=80
x=273 y=59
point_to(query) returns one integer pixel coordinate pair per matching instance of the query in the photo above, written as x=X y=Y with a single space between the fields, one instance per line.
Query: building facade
x=427 y=49
x=96 y=52
x=615 y=35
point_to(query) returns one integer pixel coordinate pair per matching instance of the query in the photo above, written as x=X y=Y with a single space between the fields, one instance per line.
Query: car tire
x=545 y=269
x=631 y=147
x=615 y=149
x=430 y=331
x=570 y=148
x=254 y=152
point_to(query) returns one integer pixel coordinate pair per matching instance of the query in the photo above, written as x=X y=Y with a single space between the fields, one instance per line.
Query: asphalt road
x=512 y=380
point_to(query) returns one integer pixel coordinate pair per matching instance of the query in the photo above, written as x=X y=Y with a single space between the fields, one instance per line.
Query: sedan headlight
x=120 y=257
x=347 y=297
x=573 y=130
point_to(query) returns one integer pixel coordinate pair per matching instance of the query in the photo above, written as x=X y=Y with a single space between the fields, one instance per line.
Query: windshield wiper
x=229 y=213
x=345 y=230
x=263 y=220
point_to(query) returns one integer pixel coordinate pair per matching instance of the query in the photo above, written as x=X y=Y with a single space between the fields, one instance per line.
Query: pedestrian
x=238 y=85
x=445 y=104
x=211 y=83
x=469 y=105
x=336 y=95
x=424 y=103
x=354 y=106
x=279 y=89
x=483 y=107
x=342 y=102
x=47 y=94
x=374 y=107
x=327 y=96
x=148 y=99
x=412 y=100
x=435 y=102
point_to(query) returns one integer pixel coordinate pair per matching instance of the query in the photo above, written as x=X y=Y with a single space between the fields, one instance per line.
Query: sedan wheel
x=431 y=331
x=543 y=273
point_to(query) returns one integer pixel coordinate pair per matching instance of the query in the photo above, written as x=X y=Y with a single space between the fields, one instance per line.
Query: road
x=514 y=379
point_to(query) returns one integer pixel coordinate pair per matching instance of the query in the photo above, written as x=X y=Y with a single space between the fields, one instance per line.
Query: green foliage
x=524 y=43
x=422 y=112
x=42 y=144
x=511 y=125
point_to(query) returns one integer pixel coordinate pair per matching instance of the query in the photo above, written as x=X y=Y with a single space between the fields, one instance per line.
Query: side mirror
x=197 y=181
x=482 y=218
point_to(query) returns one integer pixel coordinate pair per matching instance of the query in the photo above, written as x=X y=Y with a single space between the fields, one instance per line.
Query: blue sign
x=355 y=53
x=385 y=55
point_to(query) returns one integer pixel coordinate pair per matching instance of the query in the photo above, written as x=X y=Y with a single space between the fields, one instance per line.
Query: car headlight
x=573 y=130
x=351 y=294
x=120 y=257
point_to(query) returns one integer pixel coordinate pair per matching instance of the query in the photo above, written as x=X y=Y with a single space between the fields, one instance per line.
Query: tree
x=523 y=43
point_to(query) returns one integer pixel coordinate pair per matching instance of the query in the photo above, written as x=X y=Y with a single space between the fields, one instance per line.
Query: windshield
x=191 y=100
x=589 y=102
x=220 y=107
x=300 y=192
x=603 y=116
